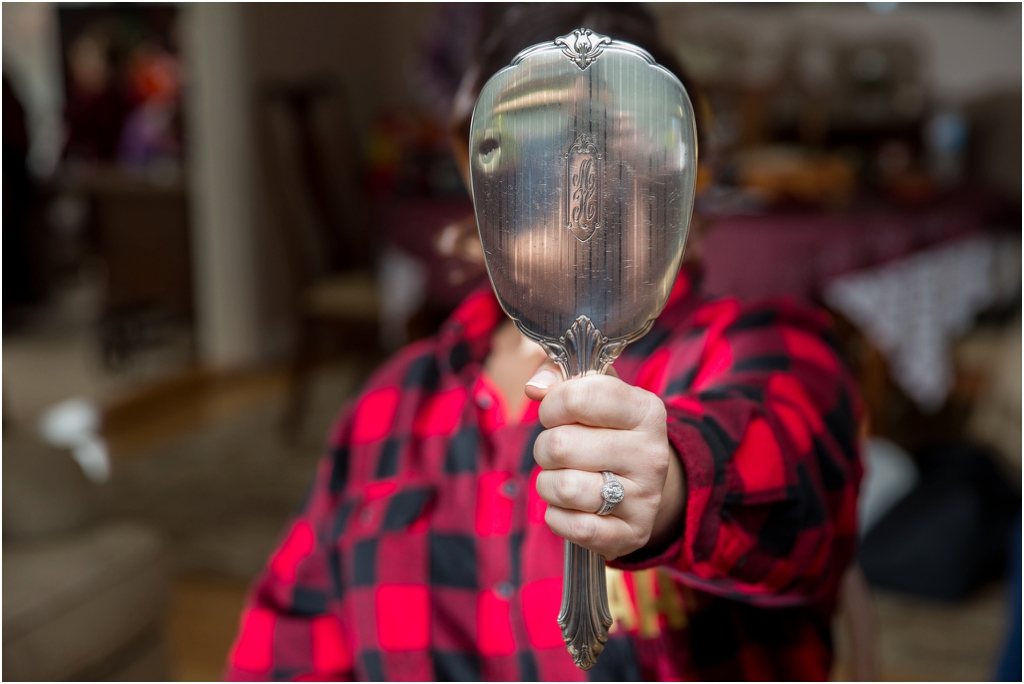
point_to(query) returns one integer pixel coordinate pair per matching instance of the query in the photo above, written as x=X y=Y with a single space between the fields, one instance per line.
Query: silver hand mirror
x=583 y=158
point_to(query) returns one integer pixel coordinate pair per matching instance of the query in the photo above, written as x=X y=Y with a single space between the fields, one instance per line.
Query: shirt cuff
x=698 y=468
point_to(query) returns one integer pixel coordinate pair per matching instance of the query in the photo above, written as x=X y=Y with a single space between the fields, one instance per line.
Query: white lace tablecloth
x=914 y=309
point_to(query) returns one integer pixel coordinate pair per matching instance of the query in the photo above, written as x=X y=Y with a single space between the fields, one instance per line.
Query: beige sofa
x=81 y=601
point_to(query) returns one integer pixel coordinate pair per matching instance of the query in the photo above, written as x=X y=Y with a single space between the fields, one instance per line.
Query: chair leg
x=858 y=612
x=301 y=371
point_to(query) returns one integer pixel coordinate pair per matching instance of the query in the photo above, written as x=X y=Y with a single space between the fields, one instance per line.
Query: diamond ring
x=612 y=492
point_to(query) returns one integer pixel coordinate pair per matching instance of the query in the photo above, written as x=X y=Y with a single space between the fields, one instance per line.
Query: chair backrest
x=313 y=168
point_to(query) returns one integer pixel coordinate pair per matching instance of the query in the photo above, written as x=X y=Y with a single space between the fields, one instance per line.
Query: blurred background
x=217 y=219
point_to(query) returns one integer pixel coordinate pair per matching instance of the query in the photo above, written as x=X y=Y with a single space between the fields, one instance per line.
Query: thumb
x=546 y=377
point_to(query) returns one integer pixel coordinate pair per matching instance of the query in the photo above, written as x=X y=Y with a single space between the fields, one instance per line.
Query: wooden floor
x=182 y=403
x=923 y=640
x=202 y=618
x=201 y=624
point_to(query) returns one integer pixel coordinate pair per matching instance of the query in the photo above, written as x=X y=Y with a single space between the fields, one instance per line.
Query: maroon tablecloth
x=798 y=252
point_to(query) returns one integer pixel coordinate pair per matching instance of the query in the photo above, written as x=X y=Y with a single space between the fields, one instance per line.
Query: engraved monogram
x=582 y=46
x=583 y=169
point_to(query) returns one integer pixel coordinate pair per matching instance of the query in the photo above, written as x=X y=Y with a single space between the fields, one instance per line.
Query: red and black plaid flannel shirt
x=421 y=552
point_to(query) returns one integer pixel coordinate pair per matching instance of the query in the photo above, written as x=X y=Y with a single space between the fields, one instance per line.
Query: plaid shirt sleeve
x=291 y=628
x=764 y=419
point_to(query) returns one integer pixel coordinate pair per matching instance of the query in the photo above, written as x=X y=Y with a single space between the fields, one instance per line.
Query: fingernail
x=543 y=379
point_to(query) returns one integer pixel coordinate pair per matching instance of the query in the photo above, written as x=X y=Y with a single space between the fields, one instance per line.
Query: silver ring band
x=612 y=492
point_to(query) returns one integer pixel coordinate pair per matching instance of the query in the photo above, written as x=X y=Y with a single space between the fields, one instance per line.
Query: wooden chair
x=313 y=167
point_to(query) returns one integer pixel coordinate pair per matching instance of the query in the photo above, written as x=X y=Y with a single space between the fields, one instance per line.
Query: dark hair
x=508 y=29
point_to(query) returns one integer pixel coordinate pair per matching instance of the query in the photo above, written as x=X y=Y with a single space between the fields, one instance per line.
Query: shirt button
x=505 y=589
x=484 y=401
x=511 y=488
x=366 y=515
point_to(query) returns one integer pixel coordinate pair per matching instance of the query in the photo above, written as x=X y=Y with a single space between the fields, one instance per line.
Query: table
x=798 y=252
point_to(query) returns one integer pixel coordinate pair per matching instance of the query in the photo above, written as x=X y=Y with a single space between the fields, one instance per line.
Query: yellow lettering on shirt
x=654 y=594
x=619 y=601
